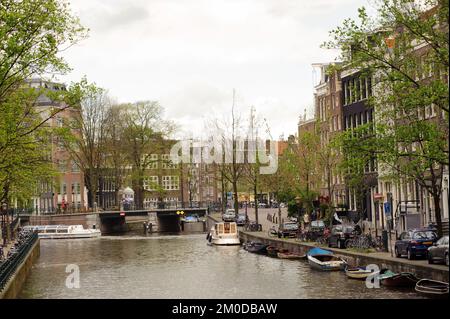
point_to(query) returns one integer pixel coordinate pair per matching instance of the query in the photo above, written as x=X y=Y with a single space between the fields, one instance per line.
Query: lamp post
x=4 y=210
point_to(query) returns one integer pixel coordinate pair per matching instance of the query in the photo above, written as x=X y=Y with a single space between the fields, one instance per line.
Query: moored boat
x=272 y=251
x=63 y=231
x=391 y=279
x=432 y=288
x=360 y=273
x=224 y=234
x=290 y=255
x=324 y=260
x=255 y=247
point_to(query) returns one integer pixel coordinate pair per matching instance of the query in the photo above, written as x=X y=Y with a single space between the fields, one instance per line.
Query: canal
x=181 y=266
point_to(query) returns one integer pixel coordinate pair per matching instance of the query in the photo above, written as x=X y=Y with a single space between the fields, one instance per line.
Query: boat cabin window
x=221 y=228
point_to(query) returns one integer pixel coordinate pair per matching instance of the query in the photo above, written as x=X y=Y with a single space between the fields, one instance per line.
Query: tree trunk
x=235 y=191
x=437 y=212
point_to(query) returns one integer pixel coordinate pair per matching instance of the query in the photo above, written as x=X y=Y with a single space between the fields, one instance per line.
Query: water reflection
x=182 y=267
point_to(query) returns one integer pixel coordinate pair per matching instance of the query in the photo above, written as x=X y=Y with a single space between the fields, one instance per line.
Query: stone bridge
x=162 y=220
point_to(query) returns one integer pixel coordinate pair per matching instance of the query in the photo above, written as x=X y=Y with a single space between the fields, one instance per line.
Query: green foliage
x=409 y=140
x=32 y=33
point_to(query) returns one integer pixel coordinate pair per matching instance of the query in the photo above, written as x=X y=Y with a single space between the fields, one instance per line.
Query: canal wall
x=420 y=268
x=15 y=283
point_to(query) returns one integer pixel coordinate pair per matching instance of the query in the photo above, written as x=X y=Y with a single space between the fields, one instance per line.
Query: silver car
x=439 y=251
x=229 y=216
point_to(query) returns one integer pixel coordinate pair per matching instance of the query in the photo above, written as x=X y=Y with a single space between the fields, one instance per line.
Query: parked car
x=439 y=251
x=282 y=205
x=191 y=219
x=414 y=243
x=288 y=229
x=229 y=215
x=262 y=205
x=340 y=234
x=241 y=219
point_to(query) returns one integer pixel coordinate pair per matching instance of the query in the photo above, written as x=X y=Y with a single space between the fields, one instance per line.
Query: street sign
x=378 y=196
x=387 y=210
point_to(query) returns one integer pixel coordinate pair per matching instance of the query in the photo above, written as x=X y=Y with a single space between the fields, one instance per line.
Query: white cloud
x=189 y=55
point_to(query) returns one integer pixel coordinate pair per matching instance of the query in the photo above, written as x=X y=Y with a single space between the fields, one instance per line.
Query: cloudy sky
x=190 y=54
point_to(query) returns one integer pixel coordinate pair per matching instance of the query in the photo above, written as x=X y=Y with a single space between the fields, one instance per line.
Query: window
x=166 y=163
x=363 y=88
x=170 y=182
x=62 y=165
x=153 y=161
x=345 y=93
x=150 y=183
x=357 y=89
x=75 y=168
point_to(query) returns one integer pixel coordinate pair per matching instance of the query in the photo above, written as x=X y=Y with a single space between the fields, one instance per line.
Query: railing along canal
x=9 y=266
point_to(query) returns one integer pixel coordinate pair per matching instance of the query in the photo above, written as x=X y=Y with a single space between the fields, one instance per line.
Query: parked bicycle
x=365 y=242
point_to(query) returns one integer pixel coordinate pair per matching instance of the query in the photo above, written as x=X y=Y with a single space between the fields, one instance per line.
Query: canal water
x=181 y=266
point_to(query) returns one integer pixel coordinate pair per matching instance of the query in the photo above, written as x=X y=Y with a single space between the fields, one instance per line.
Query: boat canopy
x=319 y=251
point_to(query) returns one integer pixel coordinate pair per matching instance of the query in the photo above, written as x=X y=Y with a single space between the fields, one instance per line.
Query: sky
x=190 y=54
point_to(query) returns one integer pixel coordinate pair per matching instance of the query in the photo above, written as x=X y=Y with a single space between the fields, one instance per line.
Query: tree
x=85 y=136
x=404 y=49
x=299 y=171
x=117 y=159
x=144 y=134
x=32 y=34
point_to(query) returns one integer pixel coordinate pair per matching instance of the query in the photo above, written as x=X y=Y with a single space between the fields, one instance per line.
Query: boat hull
x=225 y=241
x=358 y=273
x=335 y=264
x=290 y=256
x=256 y=248
x=400 y=280
x=69 y=236
x=432 y=288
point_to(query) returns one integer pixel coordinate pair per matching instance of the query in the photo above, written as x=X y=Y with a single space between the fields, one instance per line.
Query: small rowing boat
x=432 y=288
x=324 y=260
x=289 y=255
x=272 y=251
x=392 y=279
x=360 y=273
x=257 y=248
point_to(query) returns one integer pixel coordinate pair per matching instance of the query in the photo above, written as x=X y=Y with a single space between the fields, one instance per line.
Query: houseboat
x=224 y=233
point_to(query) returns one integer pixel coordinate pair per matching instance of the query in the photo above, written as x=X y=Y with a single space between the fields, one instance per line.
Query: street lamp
x=299 y=211
x=4 y=209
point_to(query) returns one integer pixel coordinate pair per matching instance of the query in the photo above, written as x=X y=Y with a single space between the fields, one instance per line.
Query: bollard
x=385 y=240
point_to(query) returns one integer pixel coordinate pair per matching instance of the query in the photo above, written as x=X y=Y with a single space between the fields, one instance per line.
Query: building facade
x=66 y=192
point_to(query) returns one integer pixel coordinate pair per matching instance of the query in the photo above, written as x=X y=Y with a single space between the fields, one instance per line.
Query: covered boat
x=324 y=260
x=391 y=279
x=224 y=233
x=255 y=247
x=360 y=273
x=63 y=231
x=432 y=288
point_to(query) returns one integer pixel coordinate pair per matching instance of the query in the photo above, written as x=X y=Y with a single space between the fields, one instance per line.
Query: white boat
x=225 y=233
x=324 y=260
x=63 y=231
